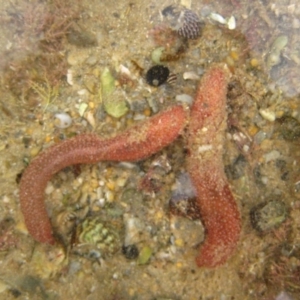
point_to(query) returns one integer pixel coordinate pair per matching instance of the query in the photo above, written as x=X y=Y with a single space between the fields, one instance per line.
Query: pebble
x=90 y=118
x=70 y=77
x=190 y=75
x=144 y=255
x=289 y=128
x=77 y=57
x=130 y=251
x=237 y=168
x=92 y=60
x=156 y=55
x=184 y=98
x=274 y=56
x=180 y=226
x=272 y=155
x=133 y=228
x=218 y=18
x=268 y=114
x=259 y=137
x=268 y=216
x=81 y=38
x=231 y=23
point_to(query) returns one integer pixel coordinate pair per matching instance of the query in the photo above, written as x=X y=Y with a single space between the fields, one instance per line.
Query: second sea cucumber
x=217 y=205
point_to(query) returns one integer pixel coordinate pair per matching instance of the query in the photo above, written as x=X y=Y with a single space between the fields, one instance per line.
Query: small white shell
x=63 y=120
x=218 y=18
x=82 y=92
x=231 y=23
x=90 y=118
x=124 y=70
x=127 y=165
x=272 y=155
x=70 y=77
x=268 y=114
x=204 y=148
x=184 y=98
x=190 y=75
x=186 y=3
x=138 y=117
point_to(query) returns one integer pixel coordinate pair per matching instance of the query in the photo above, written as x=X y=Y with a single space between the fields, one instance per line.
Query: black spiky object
x=157 y=75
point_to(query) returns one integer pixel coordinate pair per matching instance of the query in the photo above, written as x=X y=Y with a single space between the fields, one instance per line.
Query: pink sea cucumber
x=218 y=208
x=137 y=143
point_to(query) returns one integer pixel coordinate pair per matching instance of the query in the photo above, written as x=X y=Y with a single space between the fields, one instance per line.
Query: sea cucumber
x=137 y=143
x=217 y=205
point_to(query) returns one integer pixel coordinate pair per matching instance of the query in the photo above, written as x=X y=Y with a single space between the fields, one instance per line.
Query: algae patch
x=114 y=105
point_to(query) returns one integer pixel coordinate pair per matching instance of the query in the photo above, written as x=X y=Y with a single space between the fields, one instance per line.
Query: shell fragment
x=229 y=22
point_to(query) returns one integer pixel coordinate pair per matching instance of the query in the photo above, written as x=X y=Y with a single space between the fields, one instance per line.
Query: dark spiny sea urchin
x=157 y=75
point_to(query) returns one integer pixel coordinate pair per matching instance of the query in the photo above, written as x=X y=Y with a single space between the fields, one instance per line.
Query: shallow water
x=52 y=61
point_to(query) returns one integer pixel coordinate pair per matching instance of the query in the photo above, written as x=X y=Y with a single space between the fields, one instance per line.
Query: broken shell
x=172 y=79
x=190 y=75
x=70 y=77
x=62 y=120
x=133 y=229
x=82 y=108
x=184 y=98
x=268 y=114
x=231 y=23
x=218 y=18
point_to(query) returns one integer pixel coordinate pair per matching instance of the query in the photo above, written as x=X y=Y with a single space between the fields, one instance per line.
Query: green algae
x=113 y=105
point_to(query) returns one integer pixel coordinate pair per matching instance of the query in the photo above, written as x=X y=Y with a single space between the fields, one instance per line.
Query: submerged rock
x=268 y=216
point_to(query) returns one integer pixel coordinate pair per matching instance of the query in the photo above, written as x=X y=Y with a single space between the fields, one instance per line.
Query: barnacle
x=95 y=234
